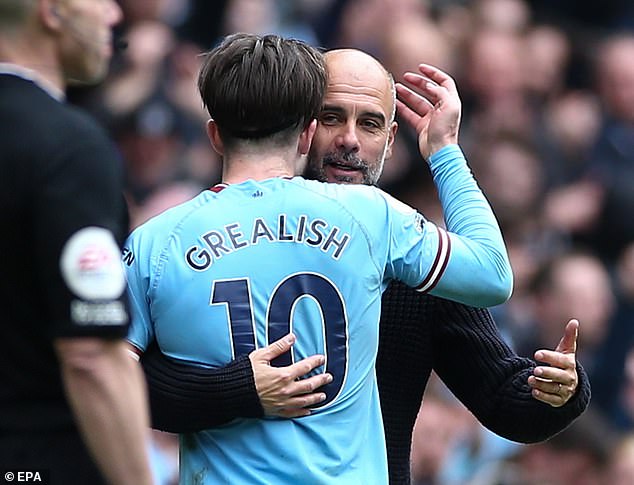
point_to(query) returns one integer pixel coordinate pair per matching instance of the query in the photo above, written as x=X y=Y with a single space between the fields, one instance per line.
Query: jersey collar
x=34 y=77
x=221 y=186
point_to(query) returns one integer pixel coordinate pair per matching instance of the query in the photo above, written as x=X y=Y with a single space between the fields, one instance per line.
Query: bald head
x=356 y=69
x=356 y=125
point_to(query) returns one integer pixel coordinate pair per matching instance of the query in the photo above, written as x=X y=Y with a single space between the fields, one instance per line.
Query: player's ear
x=390 y=139
x=214 y=137
x=306 y=137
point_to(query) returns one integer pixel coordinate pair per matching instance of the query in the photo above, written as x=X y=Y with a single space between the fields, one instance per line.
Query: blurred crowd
x=548 y=129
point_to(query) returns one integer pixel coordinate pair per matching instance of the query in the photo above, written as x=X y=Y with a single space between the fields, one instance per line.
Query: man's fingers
x=555 y=359
x=411 y=118
x=548 y=374
x=304 y=366
x=415 y=101
x=555 y=400
x=305 y=401
x=439 y=77
x=413 y=108
x=310 y=384
x=549 y=391
x=425 y=86
x=275 y=349
x=293 y=413
x=300 y=395
x=568 y=343
x=428 y=96
x=556 y=382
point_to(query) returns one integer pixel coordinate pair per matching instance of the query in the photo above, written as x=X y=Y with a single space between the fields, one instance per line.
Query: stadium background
x=548 y=128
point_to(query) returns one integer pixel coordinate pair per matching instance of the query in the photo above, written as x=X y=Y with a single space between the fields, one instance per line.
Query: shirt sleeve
x=468 y=262
x=79 y=222
x=141 y=332
x=186 y=398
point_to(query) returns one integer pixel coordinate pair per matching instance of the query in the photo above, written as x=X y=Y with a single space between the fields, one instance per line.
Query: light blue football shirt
x=240 y=266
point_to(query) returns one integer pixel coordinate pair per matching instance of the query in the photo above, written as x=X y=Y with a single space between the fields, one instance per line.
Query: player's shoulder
x=164 y=224
x=338 y=191
x=357 y=196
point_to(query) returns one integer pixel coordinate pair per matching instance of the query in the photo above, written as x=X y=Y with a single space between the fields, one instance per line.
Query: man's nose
x=347 y=138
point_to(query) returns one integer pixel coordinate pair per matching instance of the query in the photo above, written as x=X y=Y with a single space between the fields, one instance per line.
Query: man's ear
x=214 y=137
x=390 y=139
x=48 y=12
x=306 y=137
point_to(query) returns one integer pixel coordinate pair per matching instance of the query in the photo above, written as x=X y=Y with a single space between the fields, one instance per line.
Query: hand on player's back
x=281 y=391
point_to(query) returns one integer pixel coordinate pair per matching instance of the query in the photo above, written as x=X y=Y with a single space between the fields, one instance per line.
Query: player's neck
x=239 y=169
x=41 y=60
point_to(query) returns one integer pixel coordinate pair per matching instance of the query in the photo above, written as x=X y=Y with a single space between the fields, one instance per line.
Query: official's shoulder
x=80 y=122
x=28 y=104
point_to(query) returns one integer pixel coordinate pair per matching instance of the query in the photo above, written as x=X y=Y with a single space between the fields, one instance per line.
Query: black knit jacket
x=418 y=333
x=464 y=347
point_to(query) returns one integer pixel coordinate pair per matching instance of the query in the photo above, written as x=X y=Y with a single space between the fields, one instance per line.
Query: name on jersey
x=232 y=237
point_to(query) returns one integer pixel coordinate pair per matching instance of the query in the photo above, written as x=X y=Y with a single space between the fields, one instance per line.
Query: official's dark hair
x=256 y=86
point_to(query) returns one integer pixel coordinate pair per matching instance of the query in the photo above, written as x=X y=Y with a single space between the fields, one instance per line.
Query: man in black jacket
x=72 y=403
x=513 y=396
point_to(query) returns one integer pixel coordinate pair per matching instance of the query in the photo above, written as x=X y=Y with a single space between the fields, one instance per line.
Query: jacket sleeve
x=186 y=398
x=495 y=387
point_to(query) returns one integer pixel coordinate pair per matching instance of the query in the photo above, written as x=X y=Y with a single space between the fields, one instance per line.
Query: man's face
x=355 y=131
x=86 y=44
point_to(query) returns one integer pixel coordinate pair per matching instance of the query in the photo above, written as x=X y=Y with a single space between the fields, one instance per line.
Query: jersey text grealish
x=232 y=237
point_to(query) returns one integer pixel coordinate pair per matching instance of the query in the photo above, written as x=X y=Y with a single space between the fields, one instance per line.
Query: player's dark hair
x=256 y=86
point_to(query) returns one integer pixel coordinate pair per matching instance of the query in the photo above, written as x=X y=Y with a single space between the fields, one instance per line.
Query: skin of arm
x=106 y=391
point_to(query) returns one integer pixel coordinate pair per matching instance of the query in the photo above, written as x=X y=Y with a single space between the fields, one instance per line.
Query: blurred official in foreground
x=72 y=402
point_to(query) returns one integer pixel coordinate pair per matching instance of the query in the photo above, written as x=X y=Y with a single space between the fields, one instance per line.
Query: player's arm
x=106 y=391
x=186 y=398
x=498 y=387
x=472 y=264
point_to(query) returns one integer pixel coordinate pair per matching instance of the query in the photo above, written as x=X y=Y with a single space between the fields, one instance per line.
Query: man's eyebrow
x=377 y=115
x=333 y=108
